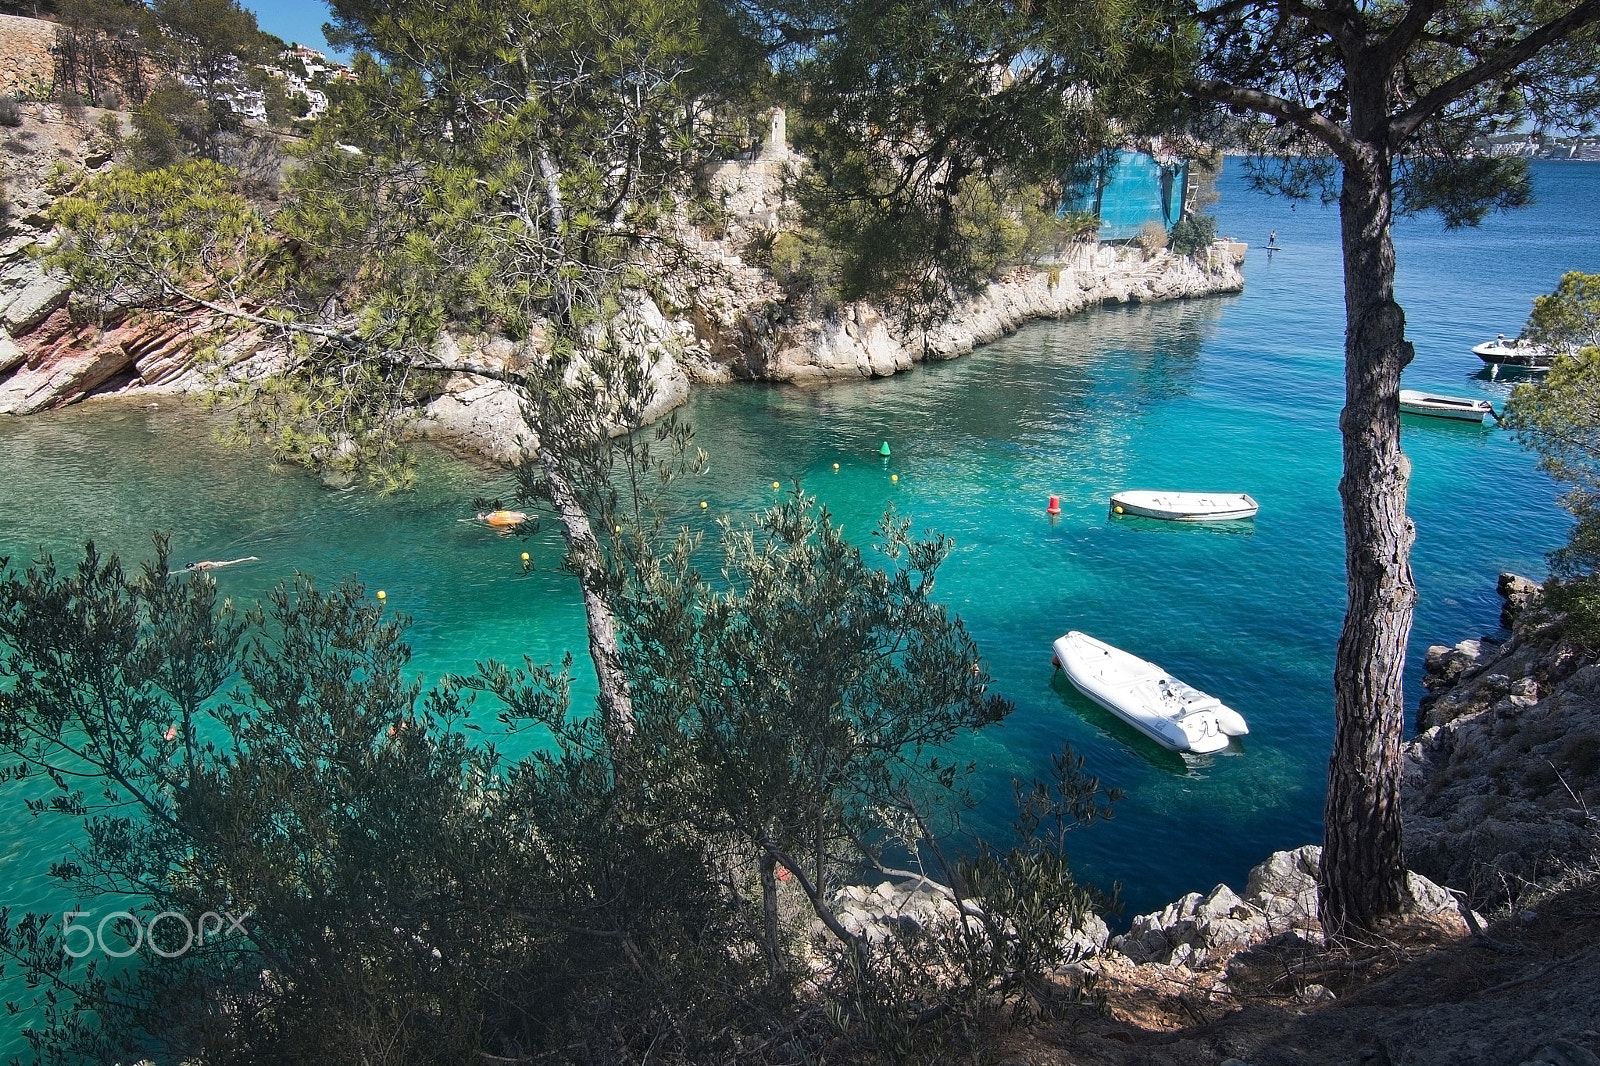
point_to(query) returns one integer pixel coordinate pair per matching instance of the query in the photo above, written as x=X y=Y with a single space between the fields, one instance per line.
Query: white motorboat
x=1427 y=403
x=1524 y=355
x=1173 y=714
x=1184 y=506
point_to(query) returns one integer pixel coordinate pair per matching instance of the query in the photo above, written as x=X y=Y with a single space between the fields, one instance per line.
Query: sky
x=296 y=21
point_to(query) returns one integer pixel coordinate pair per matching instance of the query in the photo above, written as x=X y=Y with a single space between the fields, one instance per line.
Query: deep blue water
x=1238 y=393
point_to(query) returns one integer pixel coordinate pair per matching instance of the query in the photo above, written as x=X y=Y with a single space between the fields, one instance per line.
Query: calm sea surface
x=1237 y=393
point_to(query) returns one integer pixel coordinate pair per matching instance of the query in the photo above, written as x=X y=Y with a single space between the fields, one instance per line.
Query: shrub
x=1193 y=233
x=1577 y=600
x=1152 y=238
x=583 y=905
x=71 y=103
x=107 y=134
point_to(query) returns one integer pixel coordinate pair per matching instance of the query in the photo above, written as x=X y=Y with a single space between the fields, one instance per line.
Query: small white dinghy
x=1427 y=403
x=1173 y=714
x=1184 y=506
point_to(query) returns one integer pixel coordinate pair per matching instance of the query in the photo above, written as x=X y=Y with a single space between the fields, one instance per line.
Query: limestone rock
x=857 y=342
x=28 y=296
x=1285 y=886
x=487 y=417
x=1495 y=785
x=1445 y=665
x=11 y=356
x=1519 y=594
x=62 y=380
x=1192 y=930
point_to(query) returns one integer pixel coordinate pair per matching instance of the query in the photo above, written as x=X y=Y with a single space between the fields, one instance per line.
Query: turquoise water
x=1236 y=393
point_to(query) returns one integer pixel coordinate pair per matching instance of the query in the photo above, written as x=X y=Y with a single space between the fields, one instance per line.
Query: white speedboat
x=1166 y=710
x=1519 y=353
x=1184 y=506
x=1427 y=403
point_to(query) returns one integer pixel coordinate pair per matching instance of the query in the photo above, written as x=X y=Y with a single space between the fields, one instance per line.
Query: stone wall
x=26 y=66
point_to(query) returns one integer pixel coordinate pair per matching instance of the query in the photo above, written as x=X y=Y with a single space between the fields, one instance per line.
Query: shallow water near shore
x=1237 y=393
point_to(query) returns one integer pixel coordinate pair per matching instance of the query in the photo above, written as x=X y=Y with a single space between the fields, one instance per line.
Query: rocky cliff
x=1502 y=785
x=711 y=315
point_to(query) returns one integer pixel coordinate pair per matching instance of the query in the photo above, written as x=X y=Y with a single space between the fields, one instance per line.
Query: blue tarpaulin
x=1127 y=190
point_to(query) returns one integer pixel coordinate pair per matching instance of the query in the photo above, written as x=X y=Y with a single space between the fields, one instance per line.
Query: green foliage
x=920 y=121
x=1577 y=600
x=851 y=249
x=169 y=126
x=1193 y=233
x=1559 y=417
x=1568 y=318
x=137 y=238
x=1460 y=88
x=108 y=132
x=407 y=895
x=812 y=683
x=415 y=899
x=207 y=42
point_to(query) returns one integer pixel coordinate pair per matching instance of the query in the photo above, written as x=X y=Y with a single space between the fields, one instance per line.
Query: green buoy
x=884 y=451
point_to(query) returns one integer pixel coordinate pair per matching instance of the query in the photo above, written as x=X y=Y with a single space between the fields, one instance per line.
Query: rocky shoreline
x=712 y=315
x=1502 y=803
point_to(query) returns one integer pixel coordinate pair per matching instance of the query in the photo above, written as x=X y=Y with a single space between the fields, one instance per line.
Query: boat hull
x=1526 y=356
x=1169 y=712
x=1185 y=506
x=1456 y=407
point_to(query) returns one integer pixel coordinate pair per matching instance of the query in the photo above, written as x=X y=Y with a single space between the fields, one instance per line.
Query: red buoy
x=1055 y=506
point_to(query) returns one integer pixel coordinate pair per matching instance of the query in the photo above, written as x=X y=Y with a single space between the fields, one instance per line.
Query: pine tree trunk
x=1363 y=866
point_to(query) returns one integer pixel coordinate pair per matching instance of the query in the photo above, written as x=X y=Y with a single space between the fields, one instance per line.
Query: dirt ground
x=1526 y=991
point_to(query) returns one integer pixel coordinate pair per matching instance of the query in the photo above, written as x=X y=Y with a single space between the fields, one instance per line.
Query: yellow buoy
x=836 y=466
x=894 y=477
x=524 y=556
x=616 y=529
x=702 y=505
x=1117 y=509
x=775 y=485
x=382 y=595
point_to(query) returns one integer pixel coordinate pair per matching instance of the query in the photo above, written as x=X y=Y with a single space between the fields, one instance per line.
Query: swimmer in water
x=502 y=519
x=209 y=564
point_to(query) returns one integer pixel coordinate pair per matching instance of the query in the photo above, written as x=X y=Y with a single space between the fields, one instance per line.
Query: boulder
x=28 y=296
x=1445 y=665
x=61 y=381
x=1193 y=930
x=1284 y=888
x=1519 y=594
x=11 y=356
